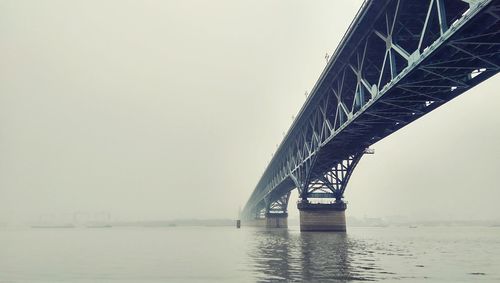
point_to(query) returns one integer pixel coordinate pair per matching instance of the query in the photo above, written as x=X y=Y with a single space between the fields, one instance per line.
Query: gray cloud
x=171 y=109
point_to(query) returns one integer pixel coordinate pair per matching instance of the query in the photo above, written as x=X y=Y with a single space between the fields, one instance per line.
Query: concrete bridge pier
x=322 y=216
x=277 y=220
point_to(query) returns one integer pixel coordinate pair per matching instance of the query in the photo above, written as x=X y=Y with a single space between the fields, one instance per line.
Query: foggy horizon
x=155 y=110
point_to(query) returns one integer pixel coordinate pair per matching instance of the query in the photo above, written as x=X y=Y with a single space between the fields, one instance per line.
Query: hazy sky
x=171 y=109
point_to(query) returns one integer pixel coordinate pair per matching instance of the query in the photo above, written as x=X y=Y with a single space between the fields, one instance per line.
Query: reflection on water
x=227 y=254
x=314 y=256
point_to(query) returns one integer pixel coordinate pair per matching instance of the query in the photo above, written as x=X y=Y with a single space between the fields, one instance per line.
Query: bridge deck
x=398 y=61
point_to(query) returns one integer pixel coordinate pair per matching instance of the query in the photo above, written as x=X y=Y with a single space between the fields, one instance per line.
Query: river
x=227 y=254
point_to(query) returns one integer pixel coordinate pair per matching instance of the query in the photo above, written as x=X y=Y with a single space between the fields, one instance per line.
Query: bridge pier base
x=322 y=217
x=277 y=220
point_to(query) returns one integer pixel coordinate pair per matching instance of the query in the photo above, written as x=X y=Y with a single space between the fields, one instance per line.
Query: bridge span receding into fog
x=398 y=60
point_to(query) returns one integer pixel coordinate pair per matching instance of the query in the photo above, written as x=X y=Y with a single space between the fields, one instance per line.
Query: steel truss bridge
x=399 y=60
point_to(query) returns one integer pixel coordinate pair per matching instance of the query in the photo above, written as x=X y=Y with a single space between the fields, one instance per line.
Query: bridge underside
x=398 y=61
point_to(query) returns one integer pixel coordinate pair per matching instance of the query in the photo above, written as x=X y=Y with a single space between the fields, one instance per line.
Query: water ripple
x=282 y=255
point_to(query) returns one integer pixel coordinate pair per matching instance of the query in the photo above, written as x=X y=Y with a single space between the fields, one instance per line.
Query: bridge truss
x=399 y=60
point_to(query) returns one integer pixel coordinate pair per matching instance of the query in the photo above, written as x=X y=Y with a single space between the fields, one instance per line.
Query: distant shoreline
x=351 y=222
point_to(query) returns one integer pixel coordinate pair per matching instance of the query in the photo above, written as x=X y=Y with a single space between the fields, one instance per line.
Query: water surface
x=201 y=254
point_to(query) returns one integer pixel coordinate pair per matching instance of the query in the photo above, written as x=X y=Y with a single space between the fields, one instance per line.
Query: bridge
x=398 y=60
